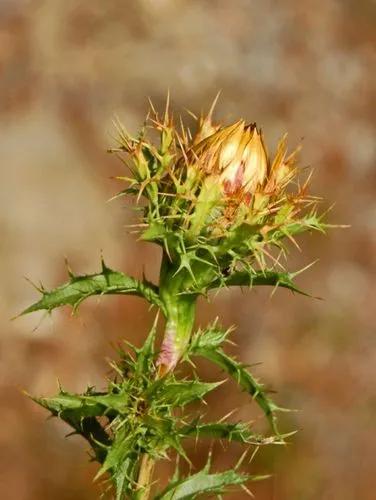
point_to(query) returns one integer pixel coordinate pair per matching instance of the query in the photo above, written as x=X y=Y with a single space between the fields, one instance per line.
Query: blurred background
x=67 y=69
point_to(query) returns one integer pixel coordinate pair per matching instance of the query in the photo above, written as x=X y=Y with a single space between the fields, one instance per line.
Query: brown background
x=67 y=68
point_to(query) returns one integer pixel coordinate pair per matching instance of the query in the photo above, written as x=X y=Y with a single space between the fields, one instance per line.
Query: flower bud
x=248 y=166
x=237 y=154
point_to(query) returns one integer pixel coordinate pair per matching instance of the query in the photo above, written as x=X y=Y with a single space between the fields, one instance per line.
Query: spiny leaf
x=260 y=278
x=90 y=429
x=145 y=355
x=81 y=416
x=202 y=482
x=310 y=222
x=121 y=455
x=85 y=405
x=232 y=432
x=244 y=378
x=179 y=393
x=212 y=337
x=106 y=282
x=123 y=478
x=240 y=374
x=156 y=231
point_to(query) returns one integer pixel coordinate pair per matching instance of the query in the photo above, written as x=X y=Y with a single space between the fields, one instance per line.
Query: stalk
x=145 y=477
x=180 y=316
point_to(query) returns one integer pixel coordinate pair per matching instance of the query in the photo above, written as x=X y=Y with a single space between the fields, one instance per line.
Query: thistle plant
x=224 y=214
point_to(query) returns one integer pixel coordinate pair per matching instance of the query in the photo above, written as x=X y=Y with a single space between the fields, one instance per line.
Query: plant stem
x=145 y=476
x=180 y=314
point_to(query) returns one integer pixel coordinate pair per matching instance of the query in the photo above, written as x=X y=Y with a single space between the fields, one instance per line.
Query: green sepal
x=107 y=282
x=208 y=199
x=239 y=238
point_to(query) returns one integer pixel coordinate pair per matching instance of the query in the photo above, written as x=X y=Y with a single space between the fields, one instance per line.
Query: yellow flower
x=236 y=153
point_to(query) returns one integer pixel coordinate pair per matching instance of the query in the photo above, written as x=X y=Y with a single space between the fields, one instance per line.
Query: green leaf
x=122 y=449
x=202 y=482
x=244 y=378
x=156 y=231
x=260 y=278
x=122 y=477
x=85 y=405
x=238 y=372
x=179 y=393
x=80 y=413
x=238 y=237
x=310 y=222
x=211 y=338
x=80 y=288
x=232 y=432
x=145 y=355
x=121 y=462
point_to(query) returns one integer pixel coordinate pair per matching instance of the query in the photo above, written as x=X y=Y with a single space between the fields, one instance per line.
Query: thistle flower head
x=216 y=196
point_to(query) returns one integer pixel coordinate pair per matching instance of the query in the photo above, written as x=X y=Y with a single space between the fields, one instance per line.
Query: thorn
x=167 y=108
x=248 y=491
x=241 y=459
x=225 y=417
x=152 y=106
x=255 y=451
x=39 y=288
x=103 y=264
x=300 y=271
x=211 y=110
x=70 y=272
x=195 y=117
